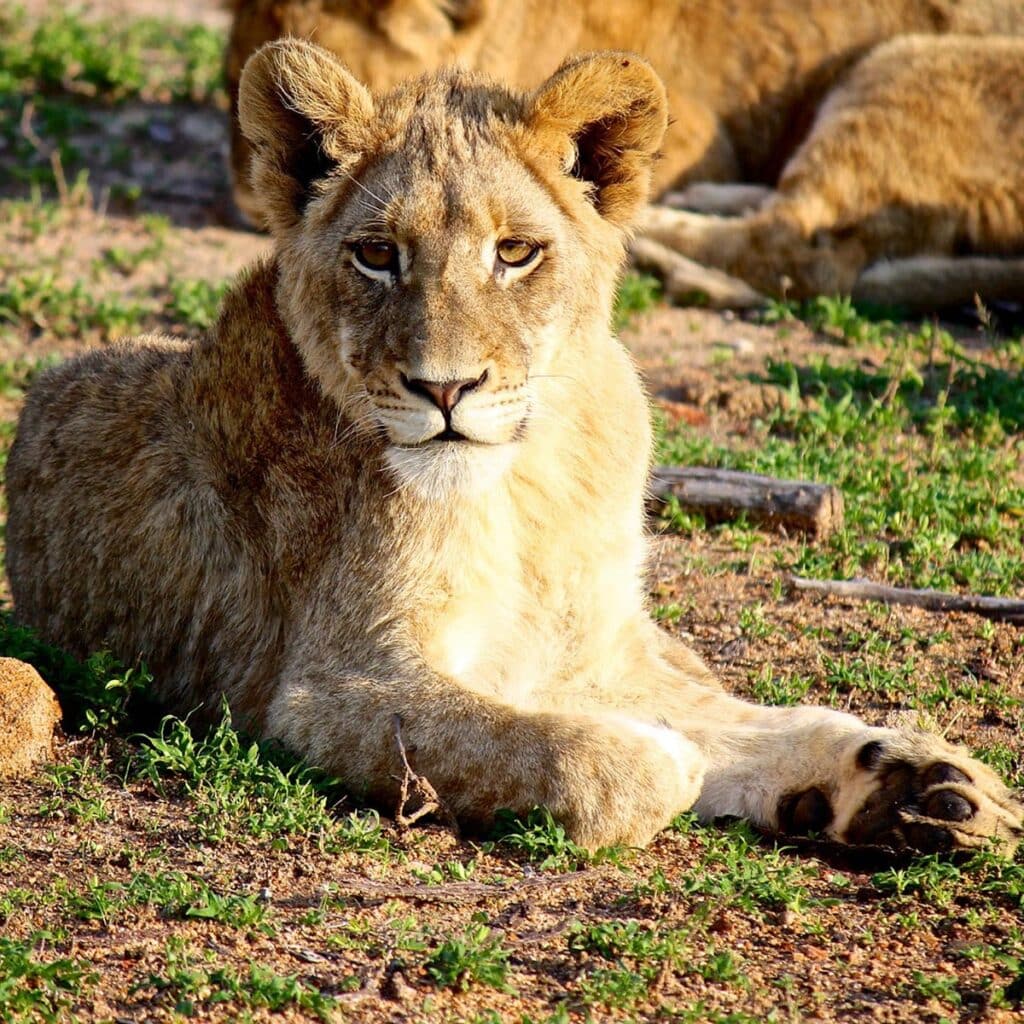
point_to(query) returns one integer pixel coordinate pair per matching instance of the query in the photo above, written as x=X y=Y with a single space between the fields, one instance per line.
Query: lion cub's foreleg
x=609 y=777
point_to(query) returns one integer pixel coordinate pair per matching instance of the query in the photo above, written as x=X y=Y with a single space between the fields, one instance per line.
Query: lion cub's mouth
x=449 y=434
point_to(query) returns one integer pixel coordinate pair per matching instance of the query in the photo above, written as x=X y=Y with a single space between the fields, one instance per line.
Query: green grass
x=107 y=59
x=40 y=302
x=637 y=293
x=474 y=957
x=927 y=451
x=196 y=302
x=37 y=986
x=58 y=71
x=16 y=375
x=640 y=954
x=837 y=316
x=241 y=787
x=174 y=894
x=737 y=869
x=193 y=987
x=545 y=843
x=98 y=694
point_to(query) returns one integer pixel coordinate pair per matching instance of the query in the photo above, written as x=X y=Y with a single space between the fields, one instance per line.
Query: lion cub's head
x=447 y=247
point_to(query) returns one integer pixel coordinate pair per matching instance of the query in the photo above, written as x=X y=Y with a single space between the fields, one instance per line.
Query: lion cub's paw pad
x=931 y=798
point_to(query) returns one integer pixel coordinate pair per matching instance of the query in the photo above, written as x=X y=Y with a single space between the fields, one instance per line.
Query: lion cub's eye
x=377 y=256
x=514 y=252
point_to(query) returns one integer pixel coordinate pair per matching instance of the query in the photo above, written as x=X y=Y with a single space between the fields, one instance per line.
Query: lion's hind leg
x=767 y=252
x=690 y=283
x=931 y=282
x=726 y=199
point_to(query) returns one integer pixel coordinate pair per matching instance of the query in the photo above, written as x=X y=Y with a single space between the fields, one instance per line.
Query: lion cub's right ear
x=305 y=116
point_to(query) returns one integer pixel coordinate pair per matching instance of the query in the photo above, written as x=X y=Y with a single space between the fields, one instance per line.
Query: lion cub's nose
x=444 y=394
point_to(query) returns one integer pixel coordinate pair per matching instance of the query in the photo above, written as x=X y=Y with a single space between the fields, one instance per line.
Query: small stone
x=398 y=989
x=29 y=714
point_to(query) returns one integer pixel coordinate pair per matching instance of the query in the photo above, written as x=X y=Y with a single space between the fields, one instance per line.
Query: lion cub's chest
x=477 y=621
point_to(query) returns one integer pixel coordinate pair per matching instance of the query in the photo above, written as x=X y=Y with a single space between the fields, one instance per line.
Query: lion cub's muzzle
x=418 y=410
x=445 y=395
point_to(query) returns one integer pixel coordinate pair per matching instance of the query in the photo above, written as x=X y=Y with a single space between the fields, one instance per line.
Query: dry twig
x=998 y=608
x=416 y=789
x=454 y=893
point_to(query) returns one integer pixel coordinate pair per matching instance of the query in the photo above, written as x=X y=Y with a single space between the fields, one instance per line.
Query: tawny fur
x=746 y=80
x=918 y=152
x=272 y=515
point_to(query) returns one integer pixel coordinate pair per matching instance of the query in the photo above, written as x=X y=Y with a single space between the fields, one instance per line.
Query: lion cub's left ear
x=305 y=116
x=606 y=113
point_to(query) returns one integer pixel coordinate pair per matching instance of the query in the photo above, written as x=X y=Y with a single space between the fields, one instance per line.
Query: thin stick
x=998 y=608
x=454 y=893
x=416 y=788
x=51 y=152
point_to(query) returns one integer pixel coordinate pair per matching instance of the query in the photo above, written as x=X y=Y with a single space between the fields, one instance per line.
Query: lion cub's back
x=97 y=448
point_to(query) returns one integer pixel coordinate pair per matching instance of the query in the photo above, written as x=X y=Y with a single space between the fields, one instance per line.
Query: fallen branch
x=998 y=608
x=416 y=789
x=721 y=494
x=454 y=893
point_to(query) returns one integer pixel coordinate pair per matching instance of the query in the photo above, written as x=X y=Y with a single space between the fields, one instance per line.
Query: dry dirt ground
x=132 y=890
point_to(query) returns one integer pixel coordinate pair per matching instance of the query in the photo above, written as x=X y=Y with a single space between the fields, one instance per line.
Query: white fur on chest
x=476 y=620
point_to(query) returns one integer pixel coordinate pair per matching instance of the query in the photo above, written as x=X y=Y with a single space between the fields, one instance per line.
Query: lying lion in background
x=916 y=159
x=746 y=80
x=373 y=497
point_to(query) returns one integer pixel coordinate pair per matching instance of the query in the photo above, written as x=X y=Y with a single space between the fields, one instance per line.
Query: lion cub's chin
x=440 y=470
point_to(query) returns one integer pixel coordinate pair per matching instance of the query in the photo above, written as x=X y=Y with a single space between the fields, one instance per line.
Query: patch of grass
x=55 y=69
x=16 y=375
x=838 y=316
x=474 y=957
x=930 y=877
x=769 y=688
x=98 y=694
x=194 y=989
x=76 y=791
x=752 y=622
x=737 y=869
x=637 y=293
x=937 y=986
x=545 y=842
x=106 y=58
x=627 y=939
x=39 y=302
x=196 y=302
x=639 y=953
x=927 y=454
x=448 y=871
x=175 y=894
x=36 y=988
x=241 y=787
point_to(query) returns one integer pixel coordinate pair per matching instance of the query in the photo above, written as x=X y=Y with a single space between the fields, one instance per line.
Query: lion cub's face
x=443 y=246
x=450 y=300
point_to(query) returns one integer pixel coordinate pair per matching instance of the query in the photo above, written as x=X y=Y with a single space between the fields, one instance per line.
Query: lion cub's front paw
x=913 y=790
x=618 y=780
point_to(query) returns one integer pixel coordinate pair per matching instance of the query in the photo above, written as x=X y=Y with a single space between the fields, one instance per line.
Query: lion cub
x=401 y=483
